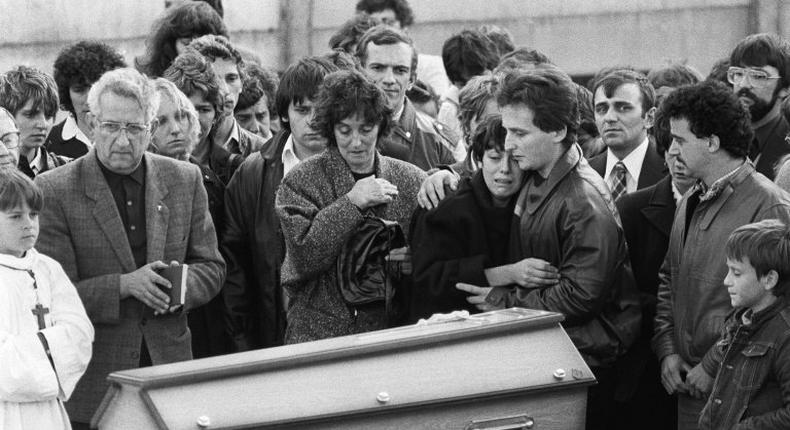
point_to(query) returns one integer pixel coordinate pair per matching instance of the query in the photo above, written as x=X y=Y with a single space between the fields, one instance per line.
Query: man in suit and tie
x=113 y=219
x=624 y=106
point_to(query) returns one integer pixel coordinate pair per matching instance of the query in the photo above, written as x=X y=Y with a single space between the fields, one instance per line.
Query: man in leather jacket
x=565 y=216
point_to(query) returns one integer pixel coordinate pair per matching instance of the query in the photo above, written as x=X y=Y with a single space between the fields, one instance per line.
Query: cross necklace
x=39 y=311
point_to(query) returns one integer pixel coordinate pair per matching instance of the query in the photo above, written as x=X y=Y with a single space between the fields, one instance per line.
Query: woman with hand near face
x=323 y=200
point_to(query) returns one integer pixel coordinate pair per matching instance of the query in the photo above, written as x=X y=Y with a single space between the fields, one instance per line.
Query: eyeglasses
x=758 y=78
x=113 y=128
x=10 y=140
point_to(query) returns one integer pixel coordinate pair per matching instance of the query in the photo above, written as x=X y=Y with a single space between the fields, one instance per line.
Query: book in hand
x=177 y=275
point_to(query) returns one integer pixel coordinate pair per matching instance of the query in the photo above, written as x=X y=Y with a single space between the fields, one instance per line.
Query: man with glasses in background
x=114 y=219
x=760 y=77
x=9 y=136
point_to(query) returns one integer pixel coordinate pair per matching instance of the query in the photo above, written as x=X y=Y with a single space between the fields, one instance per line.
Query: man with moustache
x=389 y=58
x=624 y=107
x=252 y=240
x=760 y=76
x=711 y=134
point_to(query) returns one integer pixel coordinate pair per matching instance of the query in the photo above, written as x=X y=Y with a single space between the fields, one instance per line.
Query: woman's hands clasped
x=371 y=191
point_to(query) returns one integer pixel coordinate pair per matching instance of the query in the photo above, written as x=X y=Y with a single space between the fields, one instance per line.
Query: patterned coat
x=82 y=230
x=317 y=219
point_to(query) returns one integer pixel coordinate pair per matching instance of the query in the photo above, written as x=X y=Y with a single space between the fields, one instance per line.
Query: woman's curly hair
x=347 y=93
x=190 y=19
x=81 y=65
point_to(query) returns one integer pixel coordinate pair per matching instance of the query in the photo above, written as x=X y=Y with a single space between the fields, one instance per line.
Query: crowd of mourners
x=374 y=186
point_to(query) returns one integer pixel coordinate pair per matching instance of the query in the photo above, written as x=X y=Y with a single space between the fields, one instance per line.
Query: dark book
x=177 y=275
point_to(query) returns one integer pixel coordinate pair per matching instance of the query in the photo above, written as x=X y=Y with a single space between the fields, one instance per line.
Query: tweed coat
x=317 y=219
x=81 y=228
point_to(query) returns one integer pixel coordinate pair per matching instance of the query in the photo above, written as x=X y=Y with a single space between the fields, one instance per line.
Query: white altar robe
x=31 y=396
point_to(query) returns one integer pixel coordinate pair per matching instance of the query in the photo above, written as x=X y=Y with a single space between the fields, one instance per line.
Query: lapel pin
x=159 y=208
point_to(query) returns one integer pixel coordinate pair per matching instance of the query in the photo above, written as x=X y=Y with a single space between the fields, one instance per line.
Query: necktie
x=618 y=180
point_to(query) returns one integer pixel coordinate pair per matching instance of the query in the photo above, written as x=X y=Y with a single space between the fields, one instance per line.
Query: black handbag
x=362 y=269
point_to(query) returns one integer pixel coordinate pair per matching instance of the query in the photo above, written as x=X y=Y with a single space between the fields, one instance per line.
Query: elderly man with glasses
x=760 y=77
x=114 y=219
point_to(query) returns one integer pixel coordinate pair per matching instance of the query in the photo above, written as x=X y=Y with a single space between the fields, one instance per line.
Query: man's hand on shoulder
x=432 y=189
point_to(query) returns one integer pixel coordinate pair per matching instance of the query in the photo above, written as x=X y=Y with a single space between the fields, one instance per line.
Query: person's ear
x=769 y=280
x=154 y=125
x=713 y=143
x=559 y=135
x=650 y=117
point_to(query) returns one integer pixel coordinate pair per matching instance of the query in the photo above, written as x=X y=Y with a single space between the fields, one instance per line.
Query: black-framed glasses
x=758 y=78
x=132 y=129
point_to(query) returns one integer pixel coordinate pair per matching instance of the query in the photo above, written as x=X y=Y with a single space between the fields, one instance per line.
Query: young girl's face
x=18 y=230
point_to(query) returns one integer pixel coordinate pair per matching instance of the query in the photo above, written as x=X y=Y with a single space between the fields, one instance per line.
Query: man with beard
x=760 y=75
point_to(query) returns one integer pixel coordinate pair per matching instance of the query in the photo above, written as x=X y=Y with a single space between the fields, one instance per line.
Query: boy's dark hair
x=301 y=81
x=549 y=93
x=711 y=108
x=500 y=36
x=188 y=19
x=386 y=35
x=216 y=5
x=617 y=78
x=467 y=54
x=17 y=188
x=23 y=83
x=345 y=94
x=81 y=65
x=489 y=135
x=348 y=35
x=260 y=82
x=192 y=73
x=401 y=8
x=674 y=75
x=764 y=49
x=766 y=244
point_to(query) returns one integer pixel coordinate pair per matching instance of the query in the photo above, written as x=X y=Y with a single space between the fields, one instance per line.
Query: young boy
x=45 y=335
x=751 y=360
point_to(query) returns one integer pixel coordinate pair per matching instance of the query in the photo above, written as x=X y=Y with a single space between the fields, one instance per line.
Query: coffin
x=508 y=369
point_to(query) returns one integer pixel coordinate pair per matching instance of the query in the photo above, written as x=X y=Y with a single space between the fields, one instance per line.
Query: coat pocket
x=755 y=365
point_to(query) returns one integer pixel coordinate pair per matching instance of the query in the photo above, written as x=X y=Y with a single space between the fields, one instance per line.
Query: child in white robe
x=45 y=335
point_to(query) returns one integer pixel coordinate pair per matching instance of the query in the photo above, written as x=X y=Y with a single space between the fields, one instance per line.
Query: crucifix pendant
x=39 y=312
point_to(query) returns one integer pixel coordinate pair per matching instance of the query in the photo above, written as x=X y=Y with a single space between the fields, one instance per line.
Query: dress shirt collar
x=289 y=157
x=234 y=135
x=71 y=130
x=633 y=165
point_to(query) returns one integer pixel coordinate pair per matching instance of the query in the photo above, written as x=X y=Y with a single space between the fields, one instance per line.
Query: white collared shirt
x=234 y=134
x=633 y=166
x=289 y=158
x=71 y=130
x=37 y=163
x=396 y=116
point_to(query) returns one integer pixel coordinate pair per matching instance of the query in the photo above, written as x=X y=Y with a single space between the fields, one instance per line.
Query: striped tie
x=618 y=180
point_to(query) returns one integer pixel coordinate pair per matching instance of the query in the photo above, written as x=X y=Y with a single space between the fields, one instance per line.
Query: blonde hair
x=166 y=88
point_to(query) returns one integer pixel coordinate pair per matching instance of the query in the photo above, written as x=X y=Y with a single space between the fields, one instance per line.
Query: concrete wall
x=579 y=35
